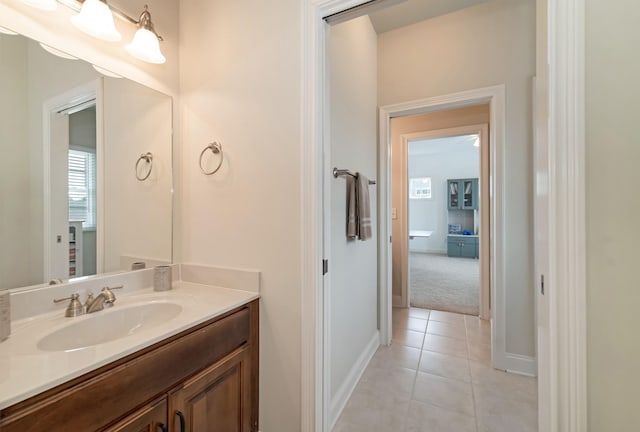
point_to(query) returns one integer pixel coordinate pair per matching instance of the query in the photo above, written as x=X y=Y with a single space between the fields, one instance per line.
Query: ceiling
x=413 y=11
x=452 y=144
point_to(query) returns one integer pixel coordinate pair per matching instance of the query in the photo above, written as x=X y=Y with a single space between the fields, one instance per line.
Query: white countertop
x=26 y=371
x=419 y=233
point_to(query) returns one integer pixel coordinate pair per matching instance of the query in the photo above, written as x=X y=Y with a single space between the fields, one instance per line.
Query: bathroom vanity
x=196 y=370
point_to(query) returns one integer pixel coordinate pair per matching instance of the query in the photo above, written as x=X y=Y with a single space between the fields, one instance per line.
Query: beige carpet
x=443 y=283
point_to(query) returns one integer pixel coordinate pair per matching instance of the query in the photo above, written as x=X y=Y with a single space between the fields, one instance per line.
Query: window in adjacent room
x=420 y=188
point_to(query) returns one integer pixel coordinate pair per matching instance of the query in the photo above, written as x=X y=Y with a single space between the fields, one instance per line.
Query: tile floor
x=436 y=377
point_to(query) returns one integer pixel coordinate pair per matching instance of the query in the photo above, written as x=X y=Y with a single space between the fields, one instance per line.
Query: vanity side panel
x=102 y=399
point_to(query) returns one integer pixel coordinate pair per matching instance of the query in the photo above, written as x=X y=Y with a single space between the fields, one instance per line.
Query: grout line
x=473 y=392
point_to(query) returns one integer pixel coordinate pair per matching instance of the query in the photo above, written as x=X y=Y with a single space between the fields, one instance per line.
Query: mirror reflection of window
x=82 y=187
x=420 y=188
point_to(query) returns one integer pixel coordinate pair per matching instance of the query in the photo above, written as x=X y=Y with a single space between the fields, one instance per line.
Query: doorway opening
x=443 y=219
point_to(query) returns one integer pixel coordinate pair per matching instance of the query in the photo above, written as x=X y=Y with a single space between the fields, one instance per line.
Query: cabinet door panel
x=152 y=418
x=217 y=399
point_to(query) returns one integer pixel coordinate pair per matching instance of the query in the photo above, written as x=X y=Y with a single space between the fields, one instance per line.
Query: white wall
x=613 y=206
x=240 y=85
x=14 y=164
x=136 y=223
x=489 y=44
x=432 y=214
x=353 y=137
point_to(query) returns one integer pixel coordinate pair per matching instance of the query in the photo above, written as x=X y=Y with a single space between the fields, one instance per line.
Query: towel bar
x=342 y=172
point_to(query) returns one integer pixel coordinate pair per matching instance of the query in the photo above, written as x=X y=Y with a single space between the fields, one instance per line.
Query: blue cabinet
x=462 y=194
x=462 y=246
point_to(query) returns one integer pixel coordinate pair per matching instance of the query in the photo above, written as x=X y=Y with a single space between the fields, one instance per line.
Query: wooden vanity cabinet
x=152 y=418
x=207 y=375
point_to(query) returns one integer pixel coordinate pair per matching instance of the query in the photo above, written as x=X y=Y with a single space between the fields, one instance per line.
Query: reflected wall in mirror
x=71 y=202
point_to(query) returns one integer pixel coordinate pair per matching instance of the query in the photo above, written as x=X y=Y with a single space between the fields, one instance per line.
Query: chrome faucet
x=96 y=304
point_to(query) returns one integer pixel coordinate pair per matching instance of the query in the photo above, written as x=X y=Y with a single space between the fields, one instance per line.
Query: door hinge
x=325 y=267
x=542 y=284
x=390 y=238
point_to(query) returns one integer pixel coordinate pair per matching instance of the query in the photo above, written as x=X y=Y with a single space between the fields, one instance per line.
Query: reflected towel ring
x=215 y=149
x=147 y=157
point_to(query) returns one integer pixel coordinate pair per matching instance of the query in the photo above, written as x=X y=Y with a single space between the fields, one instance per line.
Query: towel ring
x=148 y=158
x=215 y=149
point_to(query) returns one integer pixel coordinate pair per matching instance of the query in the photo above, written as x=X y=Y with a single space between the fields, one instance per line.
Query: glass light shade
x=145 y=46
x=7 y=31
x=57 y=52
x=47 y=5
x=106 y=72
x=95 y=19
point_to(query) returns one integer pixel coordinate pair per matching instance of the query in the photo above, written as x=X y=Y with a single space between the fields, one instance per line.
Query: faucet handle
x=75 y=308
x=110 y=297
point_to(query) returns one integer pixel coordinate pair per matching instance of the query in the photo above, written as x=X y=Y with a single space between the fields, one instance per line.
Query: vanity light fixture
x=7 y=31
x=95 y=19
x=57 y=52
x=47 y=5
x=145 y=44
x=106 y=72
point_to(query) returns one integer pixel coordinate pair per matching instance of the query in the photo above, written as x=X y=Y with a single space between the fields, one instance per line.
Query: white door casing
x=495 y=96
x=482 y=130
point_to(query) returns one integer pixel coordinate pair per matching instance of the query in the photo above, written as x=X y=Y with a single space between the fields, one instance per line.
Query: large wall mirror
x=85 y=169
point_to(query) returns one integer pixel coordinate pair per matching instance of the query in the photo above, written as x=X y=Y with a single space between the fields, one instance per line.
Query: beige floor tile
x=419 y=313
x=446 y=317
x=446 y=393
x=500 y=411
x=478 y=330
x=445 y=365
x=430 y=418
x=396 y=356
x=390 y=382
x=512 y=384
x=446 y=329
x=445 y=345
x=409 y=338
x=415 y=324
x=479 y=352
x=375 y=409
x=400 y=313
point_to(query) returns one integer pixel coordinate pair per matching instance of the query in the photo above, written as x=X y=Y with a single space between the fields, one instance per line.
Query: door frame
x=482 y=130
x=76 y=96
x=560 y=66
x=495 y=97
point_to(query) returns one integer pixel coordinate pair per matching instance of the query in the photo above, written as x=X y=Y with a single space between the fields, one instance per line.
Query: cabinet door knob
x=182 y=422
x=163 y=427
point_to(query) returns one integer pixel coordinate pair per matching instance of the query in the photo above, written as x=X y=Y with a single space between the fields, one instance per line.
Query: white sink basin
x=109 y=325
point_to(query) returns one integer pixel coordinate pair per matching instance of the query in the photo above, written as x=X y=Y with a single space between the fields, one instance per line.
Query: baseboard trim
x=346 y=389
x=396 y=301
x=521 y=365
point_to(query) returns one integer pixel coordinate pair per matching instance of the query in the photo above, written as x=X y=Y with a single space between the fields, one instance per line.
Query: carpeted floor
x=443 y=283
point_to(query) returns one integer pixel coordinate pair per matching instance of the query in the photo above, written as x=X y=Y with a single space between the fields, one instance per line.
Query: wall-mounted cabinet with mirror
x=70 y=138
